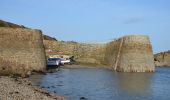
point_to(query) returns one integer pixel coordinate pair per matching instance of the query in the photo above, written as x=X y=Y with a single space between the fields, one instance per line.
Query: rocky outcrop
x=130 y=54
x=162 y=59
x=11 y=25
x=46 y=37
x=21 y=51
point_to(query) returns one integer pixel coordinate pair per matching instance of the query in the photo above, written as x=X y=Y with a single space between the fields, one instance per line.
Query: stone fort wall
x=130 y=54
x=21 y=51
x=127 y=54
x=83 y=53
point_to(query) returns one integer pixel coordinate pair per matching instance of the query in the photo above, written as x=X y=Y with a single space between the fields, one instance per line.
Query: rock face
x=21 y=51
x=8 y=24
x=130 y=54
x=162 y=59
x=46 y=37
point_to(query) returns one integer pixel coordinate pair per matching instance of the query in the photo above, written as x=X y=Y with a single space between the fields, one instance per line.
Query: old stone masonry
x=22 y=51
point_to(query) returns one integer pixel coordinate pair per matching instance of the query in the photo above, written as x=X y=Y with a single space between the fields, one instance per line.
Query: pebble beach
x=16 y=88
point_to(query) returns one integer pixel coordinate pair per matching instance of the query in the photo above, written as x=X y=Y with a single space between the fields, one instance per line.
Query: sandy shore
x=22 y=89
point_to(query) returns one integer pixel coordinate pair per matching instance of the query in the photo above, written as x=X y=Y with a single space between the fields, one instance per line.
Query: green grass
x=2 y=25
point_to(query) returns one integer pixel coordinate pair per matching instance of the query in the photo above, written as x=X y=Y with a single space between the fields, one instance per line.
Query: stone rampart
x=82 y=52
x=130 y=54
x=21 y=51
x=127 y=54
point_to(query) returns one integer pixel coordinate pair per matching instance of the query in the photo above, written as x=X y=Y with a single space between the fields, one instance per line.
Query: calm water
x=103 y=84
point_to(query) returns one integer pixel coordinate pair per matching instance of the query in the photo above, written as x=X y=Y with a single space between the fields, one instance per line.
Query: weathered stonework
x=162 y=59
x=130 y=54
x=127 y=54
x=21 y=51
x=83 y=53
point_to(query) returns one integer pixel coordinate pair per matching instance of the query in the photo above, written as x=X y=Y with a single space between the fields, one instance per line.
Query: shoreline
x=73 y=66
x=17 y=88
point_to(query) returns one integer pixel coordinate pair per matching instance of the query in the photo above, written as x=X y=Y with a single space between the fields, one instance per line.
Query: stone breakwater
x=130 y=54
x=21 y=51
x=162 y=59
x=22 y=89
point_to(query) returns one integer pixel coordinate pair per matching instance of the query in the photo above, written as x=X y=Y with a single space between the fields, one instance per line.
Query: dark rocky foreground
x=22 y=89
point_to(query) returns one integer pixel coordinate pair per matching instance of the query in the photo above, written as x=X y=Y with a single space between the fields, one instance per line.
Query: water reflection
x=139 y=83
x=36 y=79
x=102 y=84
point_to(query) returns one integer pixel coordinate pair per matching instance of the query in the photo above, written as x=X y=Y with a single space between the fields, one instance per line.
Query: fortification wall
x=131 y=54
x=112 y=49
x=127 y=54
x=83 y=53
x=21 y=51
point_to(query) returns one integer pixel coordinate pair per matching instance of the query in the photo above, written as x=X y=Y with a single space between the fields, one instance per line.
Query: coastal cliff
x=162 y=59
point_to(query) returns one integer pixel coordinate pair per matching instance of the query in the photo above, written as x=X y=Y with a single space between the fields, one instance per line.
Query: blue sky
x=93 y=20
